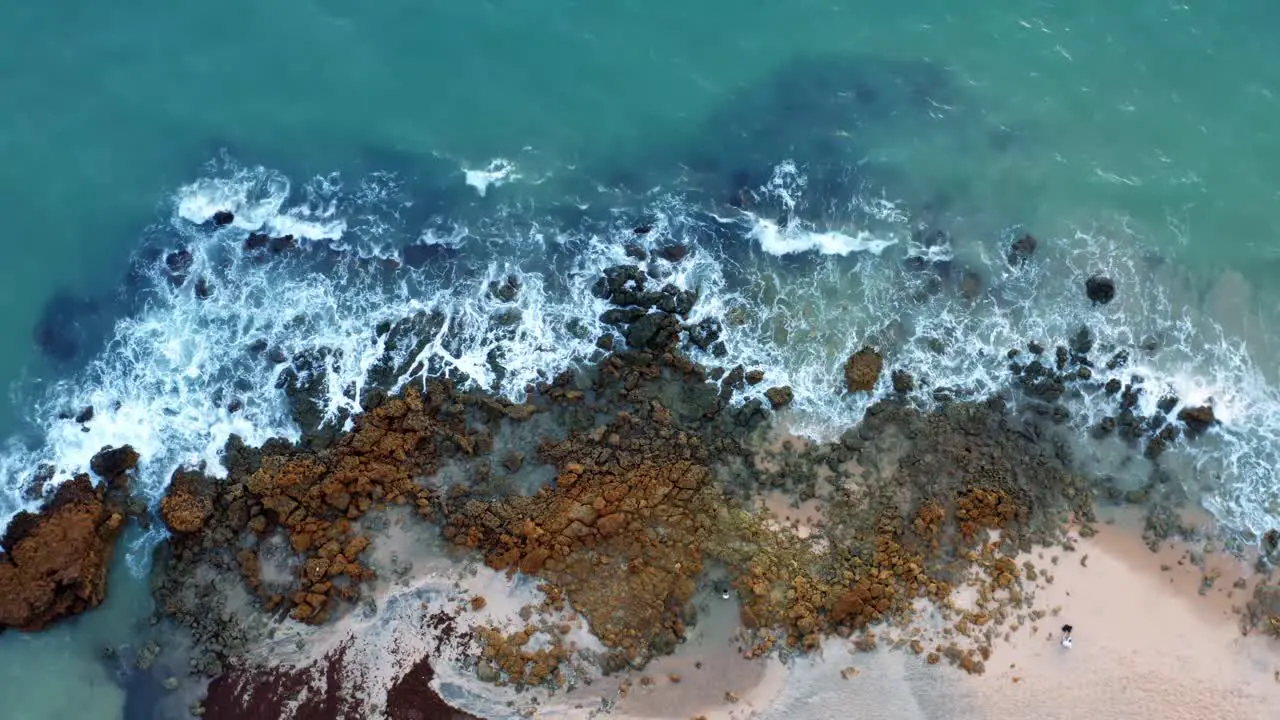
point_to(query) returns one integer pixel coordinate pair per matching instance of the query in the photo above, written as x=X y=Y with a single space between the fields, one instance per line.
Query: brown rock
x=1197 y=419
x=187 y=503
x=862 y=370
x=55 y=561
x=903 y=381
x=780 y=396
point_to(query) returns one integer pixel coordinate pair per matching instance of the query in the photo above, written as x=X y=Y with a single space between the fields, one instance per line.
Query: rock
x=1113 y=386
x=513 y=461
x=1167 y=403
x=54 y=562
x=223 y=217
x=256 y=241
x=970 y=284
x=862 y=370
x=654 y=331
x=1082 y=341
x=204 y=289
x=85 y=415
x=112 y=463
x=507 y=290
x=643 y=229
x=705 y=334
x=1197 y=419
x=779 y=396
x=672 y=253
x=276 y=355
x=1021 y=250
x=171 y=683
x=754 y=377
x=178 y=263
x=903 y=381
x=635 y=252
x=1100 y=289
x=188 y=502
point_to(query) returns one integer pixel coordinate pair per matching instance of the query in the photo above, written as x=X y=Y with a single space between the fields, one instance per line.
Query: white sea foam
x=164 y=383
x=497 y=173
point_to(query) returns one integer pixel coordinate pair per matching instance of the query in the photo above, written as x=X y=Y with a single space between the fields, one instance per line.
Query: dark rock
x=1035 y=347
x=1119 y=360
x=1084 y=373
x=754 y=377
x=112 y=463
x=1106 y=426
x=619 y=317
x=672 y=253
x=1100 y=289
x=779 y=396
x=635 y=252
x=605 y=342
x=719 y=349
x=235 y=406
x=203 y=290
x=1082 y=341
x=256 y=241
x=85 y=415
x=903 y=381
x=223 y=217
x=1021 y=250
x=287 y=242
x=507 y=290
x=704 y=334
x=257 y=346
x=1167 y=403
x=276 y=355
x=654 y=331
x=1060 y=357
x=642 y=229
x=1197 y=419
x=1129 y=398
x=179 y=264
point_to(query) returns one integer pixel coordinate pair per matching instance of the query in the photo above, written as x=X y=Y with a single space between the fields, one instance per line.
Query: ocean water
x=421 y=152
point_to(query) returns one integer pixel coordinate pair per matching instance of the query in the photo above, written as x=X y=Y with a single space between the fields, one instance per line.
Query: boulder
x=1197 y=419
x=1100 y=289
x=223 y=217
x=780 y=396
x=188 y=502
x=54 y=562
x=862 y=370
x=1021 y=250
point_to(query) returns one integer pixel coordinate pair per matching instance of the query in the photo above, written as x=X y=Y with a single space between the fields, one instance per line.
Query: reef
x=54 y=562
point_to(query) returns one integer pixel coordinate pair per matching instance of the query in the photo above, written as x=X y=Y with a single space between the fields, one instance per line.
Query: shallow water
x=1136 y=140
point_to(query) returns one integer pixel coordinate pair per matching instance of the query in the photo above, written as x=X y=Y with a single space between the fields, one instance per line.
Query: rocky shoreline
x=614 y=486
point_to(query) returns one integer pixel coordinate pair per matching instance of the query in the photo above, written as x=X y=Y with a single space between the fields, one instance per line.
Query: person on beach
x=1066 y=636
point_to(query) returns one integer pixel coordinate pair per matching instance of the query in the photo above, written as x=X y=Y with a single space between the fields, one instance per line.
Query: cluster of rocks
x=1070 y=369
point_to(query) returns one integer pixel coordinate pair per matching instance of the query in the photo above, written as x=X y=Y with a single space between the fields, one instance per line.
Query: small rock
x=1021 y=250
x=171 y=683
x=779 y=396
x=903 y=381
x=223 y=217
x=754 y=377
x=85 y=415
x=1100 y=289
x=276 y=355
x=642 y=229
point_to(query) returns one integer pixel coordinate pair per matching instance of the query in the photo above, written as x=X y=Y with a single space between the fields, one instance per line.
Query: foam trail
x=497 y=173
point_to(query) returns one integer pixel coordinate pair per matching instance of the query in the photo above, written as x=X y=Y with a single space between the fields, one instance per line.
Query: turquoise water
x=1152 y=121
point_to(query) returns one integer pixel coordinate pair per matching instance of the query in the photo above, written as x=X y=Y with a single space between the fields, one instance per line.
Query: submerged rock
x=1021 y=250
x=54 y=562
x=862 y=370
x=903 y=381
x=1100 y=289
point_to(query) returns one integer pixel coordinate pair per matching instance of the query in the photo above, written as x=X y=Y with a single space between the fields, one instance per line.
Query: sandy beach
x=1152 y=638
